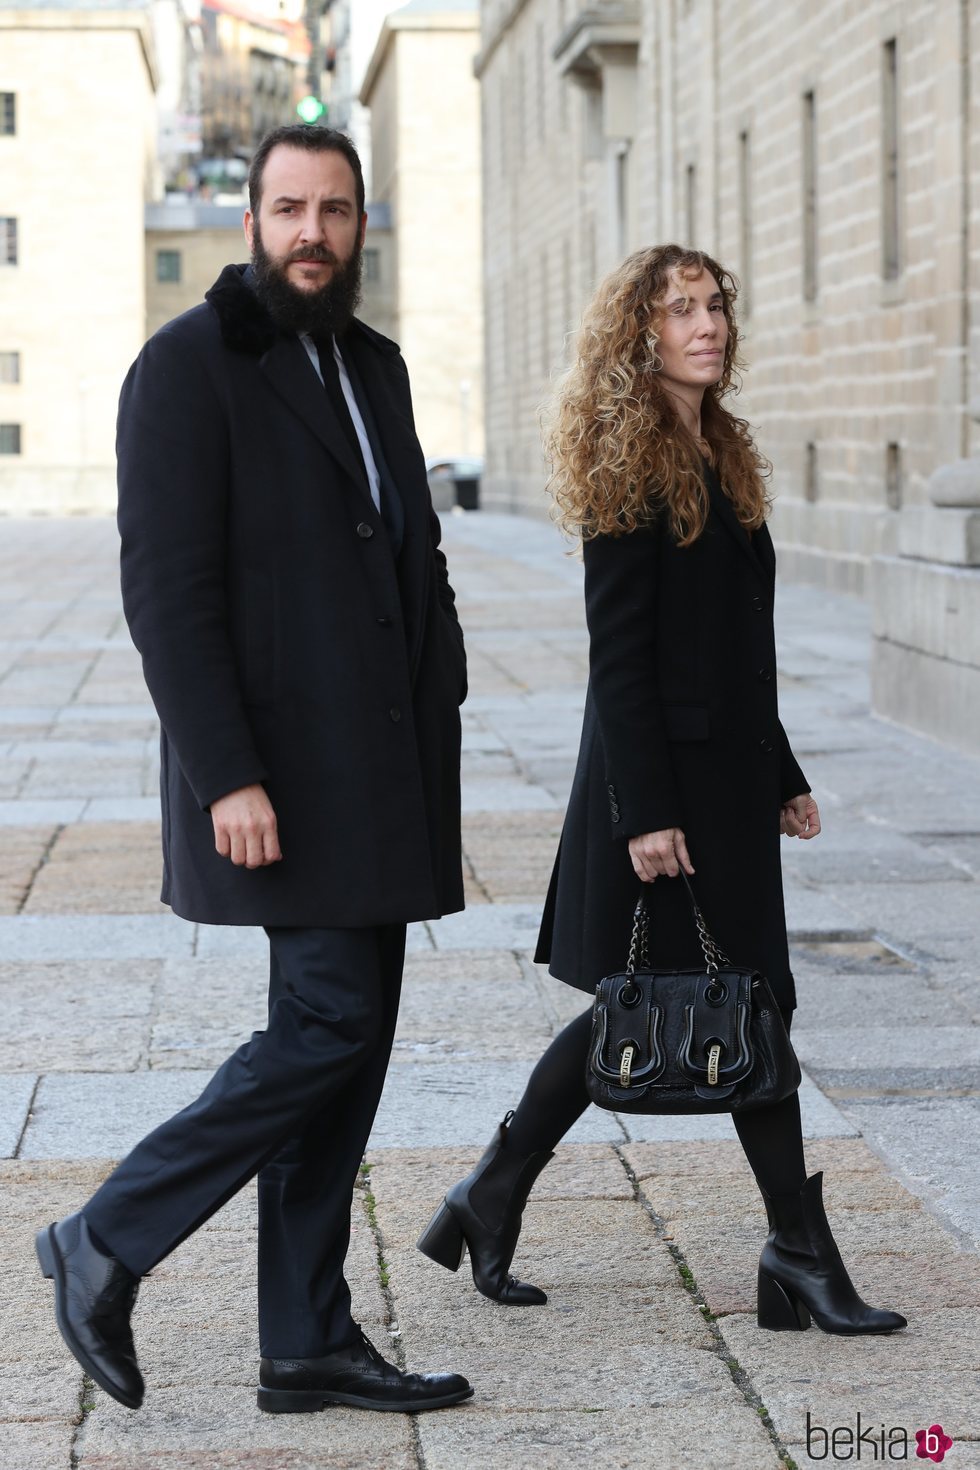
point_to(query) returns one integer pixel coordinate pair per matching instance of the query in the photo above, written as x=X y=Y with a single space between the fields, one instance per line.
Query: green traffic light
x=310 y=109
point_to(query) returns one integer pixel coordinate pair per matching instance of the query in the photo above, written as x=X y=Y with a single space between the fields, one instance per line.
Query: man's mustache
x=312 y=252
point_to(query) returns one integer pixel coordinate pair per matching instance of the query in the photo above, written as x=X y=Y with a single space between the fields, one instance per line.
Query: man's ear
x=248 y=224
x=363 y=230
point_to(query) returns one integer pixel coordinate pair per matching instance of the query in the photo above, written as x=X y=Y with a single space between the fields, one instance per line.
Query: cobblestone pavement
x=645 y=1232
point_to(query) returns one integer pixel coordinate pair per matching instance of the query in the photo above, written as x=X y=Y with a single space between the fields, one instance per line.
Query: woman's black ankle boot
x=801 y=1274
x=483 y=1213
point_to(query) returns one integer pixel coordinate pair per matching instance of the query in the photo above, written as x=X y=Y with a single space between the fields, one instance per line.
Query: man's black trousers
x=294 y=1104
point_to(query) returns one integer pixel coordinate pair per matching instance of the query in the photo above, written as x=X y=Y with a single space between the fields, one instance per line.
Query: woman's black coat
x=681 y=729
x=281 y=641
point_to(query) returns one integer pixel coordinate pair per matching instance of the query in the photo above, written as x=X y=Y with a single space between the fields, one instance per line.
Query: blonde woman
x=683 y=761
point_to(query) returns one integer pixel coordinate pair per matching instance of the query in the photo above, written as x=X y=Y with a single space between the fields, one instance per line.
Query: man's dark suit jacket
x=281 y=641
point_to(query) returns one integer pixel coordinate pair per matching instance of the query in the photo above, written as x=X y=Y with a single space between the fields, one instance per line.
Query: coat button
x=757 y=603
x=394 y=714
x=611 y=790
x=765 y=675
x=616 y=817
x=765 y=745
x=365 y=531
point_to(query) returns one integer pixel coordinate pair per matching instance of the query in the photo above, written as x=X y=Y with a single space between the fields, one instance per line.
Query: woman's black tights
x=555 y=1097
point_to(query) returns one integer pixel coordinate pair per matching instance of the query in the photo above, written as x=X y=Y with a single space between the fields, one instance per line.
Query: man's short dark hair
x=315 y=140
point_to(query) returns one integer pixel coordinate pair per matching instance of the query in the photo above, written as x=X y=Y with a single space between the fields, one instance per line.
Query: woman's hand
x=660 y=854
x=799 y=817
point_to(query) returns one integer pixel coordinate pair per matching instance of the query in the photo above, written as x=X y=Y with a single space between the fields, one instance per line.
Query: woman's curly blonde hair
x=618 y=447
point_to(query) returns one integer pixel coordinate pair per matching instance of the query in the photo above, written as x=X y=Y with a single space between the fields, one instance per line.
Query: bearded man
x=282 y=581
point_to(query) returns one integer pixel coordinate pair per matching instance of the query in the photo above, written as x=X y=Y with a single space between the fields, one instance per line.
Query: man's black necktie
x=330 y=373
x=390 y=508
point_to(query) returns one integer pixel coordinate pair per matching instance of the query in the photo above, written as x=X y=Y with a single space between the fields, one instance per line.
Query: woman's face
x=692 y=338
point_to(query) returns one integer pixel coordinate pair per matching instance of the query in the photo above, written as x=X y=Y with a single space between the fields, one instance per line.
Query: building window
x=691 y=204
x=745 y=219
x=893 y=476
x=809 y=196
x=810 y=486
x=8 y=240
x=168 y=267
x=890 y=224
x=9 y=438
x=372 y=265
x=8 y=113
x=9 y=367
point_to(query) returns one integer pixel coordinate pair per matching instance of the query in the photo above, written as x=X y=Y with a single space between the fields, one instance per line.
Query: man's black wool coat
x=281 y=641
x=681 y=729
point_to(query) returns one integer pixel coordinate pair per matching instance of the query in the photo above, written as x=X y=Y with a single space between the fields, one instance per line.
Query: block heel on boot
x=482 y=1213
x=443 y=1240
x=801 y=1272
x=779 y=1311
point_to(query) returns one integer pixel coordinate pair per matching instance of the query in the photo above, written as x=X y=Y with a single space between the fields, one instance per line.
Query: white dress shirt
x=374 y=479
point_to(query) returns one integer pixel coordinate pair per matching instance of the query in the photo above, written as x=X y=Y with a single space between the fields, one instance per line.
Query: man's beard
x=322 y=312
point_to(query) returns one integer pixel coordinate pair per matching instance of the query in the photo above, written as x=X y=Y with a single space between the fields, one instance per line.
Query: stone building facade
x=828 y=153
x=72 y=299
x=425 y=145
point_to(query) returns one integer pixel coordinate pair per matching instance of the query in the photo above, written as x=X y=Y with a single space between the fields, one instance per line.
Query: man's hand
x=658 y=854
x=799 y=817
x=245 y=828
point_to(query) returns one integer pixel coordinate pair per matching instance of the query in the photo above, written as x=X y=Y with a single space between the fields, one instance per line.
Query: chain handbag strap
x=714 y=955
x=640 y=938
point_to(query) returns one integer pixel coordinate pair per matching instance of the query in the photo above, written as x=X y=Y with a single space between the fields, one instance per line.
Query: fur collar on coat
x=245 y=324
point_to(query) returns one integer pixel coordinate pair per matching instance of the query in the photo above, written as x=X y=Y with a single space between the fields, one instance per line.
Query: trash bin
x=468 y=492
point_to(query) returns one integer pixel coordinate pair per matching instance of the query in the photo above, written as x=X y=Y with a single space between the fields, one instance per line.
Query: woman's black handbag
x=687 y=1041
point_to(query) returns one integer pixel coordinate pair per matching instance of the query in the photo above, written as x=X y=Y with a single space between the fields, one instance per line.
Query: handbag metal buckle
x=626 y=1065
x=714 y=1053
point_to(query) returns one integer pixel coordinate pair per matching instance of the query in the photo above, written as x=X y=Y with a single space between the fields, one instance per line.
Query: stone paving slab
x=114 y=714
x=101 y=1115
x=21 y=853
x=950 y=1048
x=815 y=913
x=86 y=1015
x=198 y=1419
x=429 y=1104
x=35 y=1446
x=101 y=868
x=843 y=999
x=507 y=794
x=125 y=808
x=496 y=926
x=583 y=1439
x=96 y=937
x=55 y=813
x=15 y=1098
x=930 y=1144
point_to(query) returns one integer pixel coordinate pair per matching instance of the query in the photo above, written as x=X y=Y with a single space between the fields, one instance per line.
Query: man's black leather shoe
x=356 y=1375
x=94 y=1296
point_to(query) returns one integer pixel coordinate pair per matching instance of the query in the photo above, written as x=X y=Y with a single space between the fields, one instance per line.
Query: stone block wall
x=73 y=306
x=863 y=357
